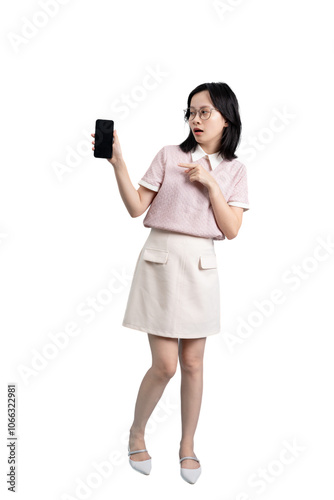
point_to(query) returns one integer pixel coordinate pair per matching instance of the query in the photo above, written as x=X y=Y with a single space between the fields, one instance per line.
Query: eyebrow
x=205 y=106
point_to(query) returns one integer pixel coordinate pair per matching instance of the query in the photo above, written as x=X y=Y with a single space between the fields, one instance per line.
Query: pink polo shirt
x=184 y=206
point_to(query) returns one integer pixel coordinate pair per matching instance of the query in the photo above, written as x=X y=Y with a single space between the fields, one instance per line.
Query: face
x=212 y=128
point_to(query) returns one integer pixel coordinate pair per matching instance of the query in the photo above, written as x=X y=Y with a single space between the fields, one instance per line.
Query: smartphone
x=104 y=138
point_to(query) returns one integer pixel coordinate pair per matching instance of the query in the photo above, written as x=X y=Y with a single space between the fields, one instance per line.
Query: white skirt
x=175 y=288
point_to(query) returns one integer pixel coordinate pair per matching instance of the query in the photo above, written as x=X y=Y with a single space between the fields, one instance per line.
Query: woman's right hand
x=116 y=150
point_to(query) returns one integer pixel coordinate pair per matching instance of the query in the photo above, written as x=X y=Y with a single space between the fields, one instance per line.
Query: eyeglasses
x=204 y=113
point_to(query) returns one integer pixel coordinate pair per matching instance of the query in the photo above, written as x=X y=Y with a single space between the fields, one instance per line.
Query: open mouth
x=197 y=131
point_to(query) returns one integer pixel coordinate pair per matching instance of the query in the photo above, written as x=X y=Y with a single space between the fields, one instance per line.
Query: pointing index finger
x=186 y=165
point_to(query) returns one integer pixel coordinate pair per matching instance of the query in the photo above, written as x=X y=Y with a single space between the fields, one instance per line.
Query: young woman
x=197 y=193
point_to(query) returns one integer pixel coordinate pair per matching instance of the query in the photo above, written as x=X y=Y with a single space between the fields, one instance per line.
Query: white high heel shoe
x=142 y=466
x=190 y=475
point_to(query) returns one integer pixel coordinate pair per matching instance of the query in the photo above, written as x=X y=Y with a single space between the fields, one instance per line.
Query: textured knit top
x=184 y=206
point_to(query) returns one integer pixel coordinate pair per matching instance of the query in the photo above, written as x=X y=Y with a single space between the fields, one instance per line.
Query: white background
x=63 y=238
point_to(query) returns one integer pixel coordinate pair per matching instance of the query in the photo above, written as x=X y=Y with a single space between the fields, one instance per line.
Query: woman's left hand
x=198 y=173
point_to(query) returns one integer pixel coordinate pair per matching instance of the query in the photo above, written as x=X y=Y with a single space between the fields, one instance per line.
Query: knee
x=190 y=363
x=165 y=370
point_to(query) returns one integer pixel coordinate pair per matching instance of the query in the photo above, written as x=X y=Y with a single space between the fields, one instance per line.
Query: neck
x=210 y=148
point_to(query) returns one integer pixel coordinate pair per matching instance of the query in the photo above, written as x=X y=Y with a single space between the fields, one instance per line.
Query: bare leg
x=164 y=364
x=191 y=352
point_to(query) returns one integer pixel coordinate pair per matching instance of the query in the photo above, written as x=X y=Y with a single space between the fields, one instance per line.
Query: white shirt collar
x=215 y=158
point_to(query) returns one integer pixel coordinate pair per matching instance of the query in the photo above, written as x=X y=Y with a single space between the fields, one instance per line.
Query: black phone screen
x=104 y=130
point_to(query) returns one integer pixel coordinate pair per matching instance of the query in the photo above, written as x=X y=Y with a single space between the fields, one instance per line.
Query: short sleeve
x=153 y=177
x=239 y=195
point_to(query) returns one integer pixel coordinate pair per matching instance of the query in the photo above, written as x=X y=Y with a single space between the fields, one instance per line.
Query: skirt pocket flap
x=155 y=255
x=208 y=261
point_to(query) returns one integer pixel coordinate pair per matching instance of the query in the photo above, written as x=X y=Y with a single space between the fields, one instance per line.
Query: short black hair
x=225 y=101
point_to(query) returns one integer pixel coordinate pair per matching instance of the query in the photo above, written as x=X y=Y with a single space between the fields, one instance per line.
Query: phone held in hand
x=104 y=138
